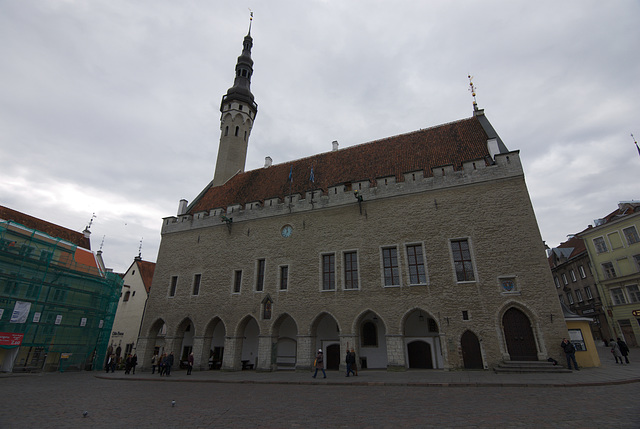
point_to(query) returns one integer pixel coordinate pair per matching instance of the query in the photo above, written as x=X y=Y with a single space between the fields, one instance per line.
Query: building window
x=631 y=234
x=637 y=259
x=573 y=275
x=369 y=334
x=237 y=281
x=237 y=130
x=609 y=271
x=465 y=315
x=555 y=279
x=174 y=285
x=284 y=277
x=260 y=276
x=634 y=293
x=226 y=130
x=587 y=290
x=329 y=272
x=564 y=279
x=390 y=264
x=351 y=270
x=617 y=295
x=196 y=284
x=462 y=260
x=600 y=245
x=561 y=298
x=583 y=275
x=127 y=294
x=570 y=297
x=415 y=261
x=579 y=295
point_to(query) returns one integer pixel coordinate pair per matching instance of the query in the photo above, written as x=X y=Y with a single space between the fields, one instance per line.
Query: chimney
x=335 y=145
x=182 y=207
x=267 y=161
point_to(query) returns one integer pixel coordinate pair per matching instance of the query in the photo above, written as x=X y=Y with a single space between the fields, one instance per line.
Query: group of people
x=350 y=360
x=619 y=349
x=164 y=362
x=130 y=363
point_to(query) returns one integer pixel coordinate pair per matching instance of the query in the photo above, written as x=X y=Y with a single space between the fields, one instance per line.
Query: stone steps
x=529 y=367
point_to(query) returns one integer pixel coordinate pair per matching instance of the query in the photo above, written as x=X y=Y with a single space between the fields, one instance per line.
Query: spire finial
x=102 y=242
x=472 y=88
x=250 y=20
x=140 y=248
x=634 y=140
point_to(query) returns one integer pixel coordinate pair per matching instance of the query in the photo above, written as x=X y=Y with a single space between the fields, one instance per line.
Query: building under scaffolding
x=57 y=302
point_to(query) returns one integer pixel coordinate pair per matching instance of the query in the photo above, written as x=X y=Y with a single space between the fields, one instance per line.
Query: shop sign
x=10 y=339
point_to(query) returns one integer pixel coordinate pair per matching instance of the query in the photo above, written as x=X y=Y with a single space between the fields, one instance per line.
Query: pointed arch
x=213 y=344
x=471 y=350
x=371 y=340
x=519 y=332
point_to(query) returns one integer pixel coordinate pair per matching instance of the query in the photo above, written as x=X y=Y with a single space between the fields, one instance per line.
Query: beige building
x=420 y=250
x=131 y=307
x=613 y=244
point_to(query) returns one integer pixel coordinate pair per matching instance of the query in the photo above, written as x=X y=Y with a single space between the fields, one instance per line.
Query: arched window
x=237 y=130
x=226 y=130
x=369 y=334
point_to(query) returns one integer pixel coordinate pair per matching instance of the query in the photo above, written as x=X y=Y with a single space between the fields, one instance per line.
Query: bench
x=246 y=365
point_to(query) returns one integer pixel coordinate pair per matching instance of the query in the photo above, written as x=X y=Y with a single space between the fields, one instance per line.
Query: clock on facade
x=286 y=231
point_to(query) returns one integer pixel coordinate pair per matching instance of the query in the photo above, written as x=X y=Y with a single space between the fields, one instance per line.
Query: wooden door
x=471 y=354
x=419 y=354
x=519 y=336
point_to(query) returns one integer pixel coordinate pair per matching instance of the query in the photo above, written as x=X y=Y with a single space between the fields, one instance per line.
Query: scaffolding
x=56 y=300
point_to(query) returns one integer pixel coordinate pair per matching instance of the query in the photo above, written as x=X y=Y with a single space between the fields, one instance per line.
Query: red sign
x=10 y=339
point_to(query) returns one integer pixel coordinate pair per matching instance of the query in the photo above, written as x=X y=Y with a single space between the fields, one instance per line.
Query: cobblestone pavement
x=591 y=398
x=58 y=400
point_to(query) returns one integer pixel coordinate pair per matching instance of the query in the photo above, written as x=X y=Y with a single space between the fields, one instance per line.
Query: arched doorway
x=471 y=353
x=250 y=334
x=422 y=341
x=419 y=354
x=518 y=335
x=326 y=333
x=213 y=345
x=184 y=337
x=286 y=331
x=371 y=343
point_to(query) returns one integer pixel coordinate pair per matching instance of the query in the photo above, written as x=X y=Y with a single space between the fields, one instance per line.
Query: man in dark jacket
x=570 y=353
x=168 y=364
x=624 y=349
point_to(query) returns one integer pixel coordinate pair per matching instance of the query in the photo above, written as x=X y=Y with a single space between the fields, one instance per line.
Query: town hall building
x=419 y=250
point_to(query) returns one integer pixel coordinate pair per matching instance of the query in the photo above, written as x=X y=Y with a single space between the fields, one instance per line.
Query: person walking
x=161 y=364
x=615 y=349
x=319 y=364
x=189 y=363
x=624 y=349
x=127 y=364
x=154 y=361
x=570 y=353
x=349 y=359
x=134 y=362
x=168 y=364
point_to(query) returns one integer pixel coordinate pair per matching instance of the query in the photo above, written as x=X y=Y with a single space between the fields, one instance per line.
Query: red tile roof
x=452 y=143
x=53 y=230
x=146 y=270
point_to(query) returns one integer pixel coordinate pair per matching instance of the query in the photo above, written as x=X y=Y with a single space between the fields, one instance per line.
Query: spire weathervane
x=250 y=19
x=472 y=88
x=634 y=140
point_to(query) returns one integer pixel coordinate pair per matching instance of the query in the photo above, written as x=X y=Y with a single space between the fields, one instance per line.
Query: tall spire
x=238 y=110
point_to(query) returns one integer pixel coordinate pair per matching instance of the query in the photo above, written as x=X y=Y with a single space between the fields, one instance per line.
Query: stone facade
x=418 y=251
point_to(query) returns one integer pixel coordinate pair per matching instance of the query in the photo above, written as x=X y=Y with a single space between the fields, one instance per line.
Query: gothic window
x=237 y=281
x=415 y=260
x=260 y=276
x=196 y=284
x=226 y=130
x=266 y=308
x=351 y=270
x=462 y=260
x=369 y=334
x=284 y=277
x=174 y=285
x=390 y=264
x=237 y=130
x=329 y=272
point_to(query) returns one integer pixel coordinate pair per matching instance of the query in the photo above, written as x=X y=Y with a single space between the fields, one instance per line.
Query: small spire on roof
x=250 y=20
x=140 y=248
x=472 y=88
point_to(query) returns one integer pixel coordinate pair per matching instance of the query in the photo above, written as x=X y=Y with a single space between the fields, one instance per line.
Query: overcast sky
x=112 y=107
